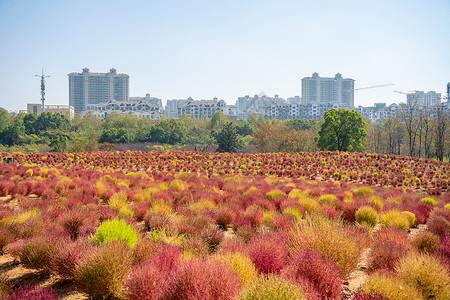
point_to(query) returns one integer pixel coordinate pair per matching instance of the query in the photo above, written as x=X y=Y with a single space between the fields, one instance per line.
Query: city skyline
x=176 y=50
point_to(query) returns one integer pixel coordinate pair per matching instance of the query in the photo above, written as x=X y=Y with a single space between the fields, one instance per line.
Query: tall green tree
x=228 y=139
x=342 y=130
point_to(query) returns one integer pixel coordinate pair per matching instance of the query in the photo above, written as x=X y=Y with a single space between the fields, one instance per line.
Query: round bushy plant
x=362 y=191
x=427 y=274
x=117 y=230
x=428 y=200
x=426 y=241
x=268 y=253
x=202 y=280
x=390 y=287
x=66 y=256
x=100 y=275
x=367 y=215
x=146 y=281
x=37 y=253
x=272 y=287
x=394 y=218
x=323 y=275
x=241 y=264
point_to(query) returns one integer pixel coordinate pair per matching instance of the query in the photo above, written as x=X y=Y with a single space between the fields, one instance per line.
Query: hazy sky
x=224 y=48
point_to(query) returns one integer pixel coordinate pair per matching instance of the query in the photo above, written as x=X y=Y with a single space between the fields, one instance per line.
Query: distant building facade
x=65 y=110
x=202 y=108
x=420 y=98
x=141 y=109
x=256 y=105
x=323 y=90
x=147 y=98
x=88 y=88
x=299 y=111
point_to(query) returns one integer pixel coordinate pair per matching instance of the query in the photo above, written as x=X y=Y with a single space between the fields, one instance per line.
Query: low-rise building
x=66 y=110
x=202 y=108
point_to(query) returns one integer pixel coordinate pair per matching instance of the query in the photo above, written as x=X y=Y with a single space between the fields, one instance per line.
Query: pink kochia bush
x=149 y=280
x=202 y=280
x=268 y=253
x=320 y=274
x=33 y=293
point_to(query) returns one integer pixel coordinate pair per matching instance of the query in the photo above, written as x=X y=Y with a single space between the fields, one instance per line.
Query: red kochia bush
x=66 y=256
x=202 y=280
x=33 y=293
x=149 y=280
x=268 y=253
x=321 y=274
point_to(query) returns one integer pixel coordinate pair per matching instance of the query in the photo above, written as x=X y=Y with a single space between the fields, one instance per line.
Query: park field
x=193 y=225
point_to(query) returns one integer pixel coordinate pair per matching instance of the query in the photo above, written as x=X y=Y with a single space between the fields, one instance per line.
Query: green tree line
x=423 y=133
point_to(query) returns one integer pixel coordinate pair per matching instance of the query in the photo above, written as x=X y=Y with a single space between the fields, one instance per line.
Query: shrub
x=362 y=296
x=366 y=215
x=410 y=217
x=427 y=274
x=116 y=230
x=390 y=287
x=272 y=288
x=73 y=220
x=144 y=249
x=241 y=264
x=428 y=200
x=36 y=254
x=194 y=246
x=5 y=238
x=33 y=293
x=394 y=218
x=439 y=221
x=100 y=275
x=327 y=198
x=362 y=191
x=332 y=239
x=5 y=287
x=213 y=237
x=426 y=241
x=154 y=221
x=384 y=255
x=202 y=280
x=145 y=281
x=321 y=274
x=293 y=211
x=66 y=256
x=376 y=202
x=268 y=253
x=225 y=217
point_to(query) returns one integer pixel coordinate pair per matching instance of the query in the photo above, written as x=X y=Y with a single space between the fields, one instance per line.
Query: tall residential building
x=448 y=96
x=323 y=90
x=88 y=88
x=421 y=98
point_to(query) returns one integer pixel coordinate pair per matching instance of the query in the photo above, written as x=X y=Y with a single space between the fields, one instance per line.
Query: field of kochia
x=191 y=225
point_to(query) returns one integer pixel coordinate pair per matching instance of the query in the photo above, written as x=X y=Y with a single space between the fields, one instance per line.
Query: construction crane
x=374 y=86
x=42 y=87
x=365 y=88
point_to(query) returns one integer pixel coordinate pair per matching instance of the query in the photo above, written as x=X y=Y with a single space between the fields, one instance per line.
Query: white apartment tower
x=88 y=88
x=323 y=90
x=420 y=98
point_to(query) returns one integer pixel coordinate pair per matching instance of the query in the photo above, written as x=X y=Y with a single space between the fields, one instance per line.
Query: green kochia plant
x=115 y=230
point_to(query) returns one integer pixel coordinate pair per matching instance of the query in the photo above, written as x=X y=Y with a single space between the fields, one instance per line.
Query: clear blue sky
x=224 y=49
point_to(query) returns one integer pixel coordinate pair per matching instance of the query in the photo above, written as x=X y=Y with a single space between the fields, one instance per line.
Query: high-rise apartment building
x=323 y=90
x=420 y=98
x=88 y=88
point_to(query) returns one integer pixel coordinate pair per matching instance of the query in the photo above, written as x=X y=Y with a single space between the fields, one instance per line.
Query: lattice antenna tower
x=42 y=87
